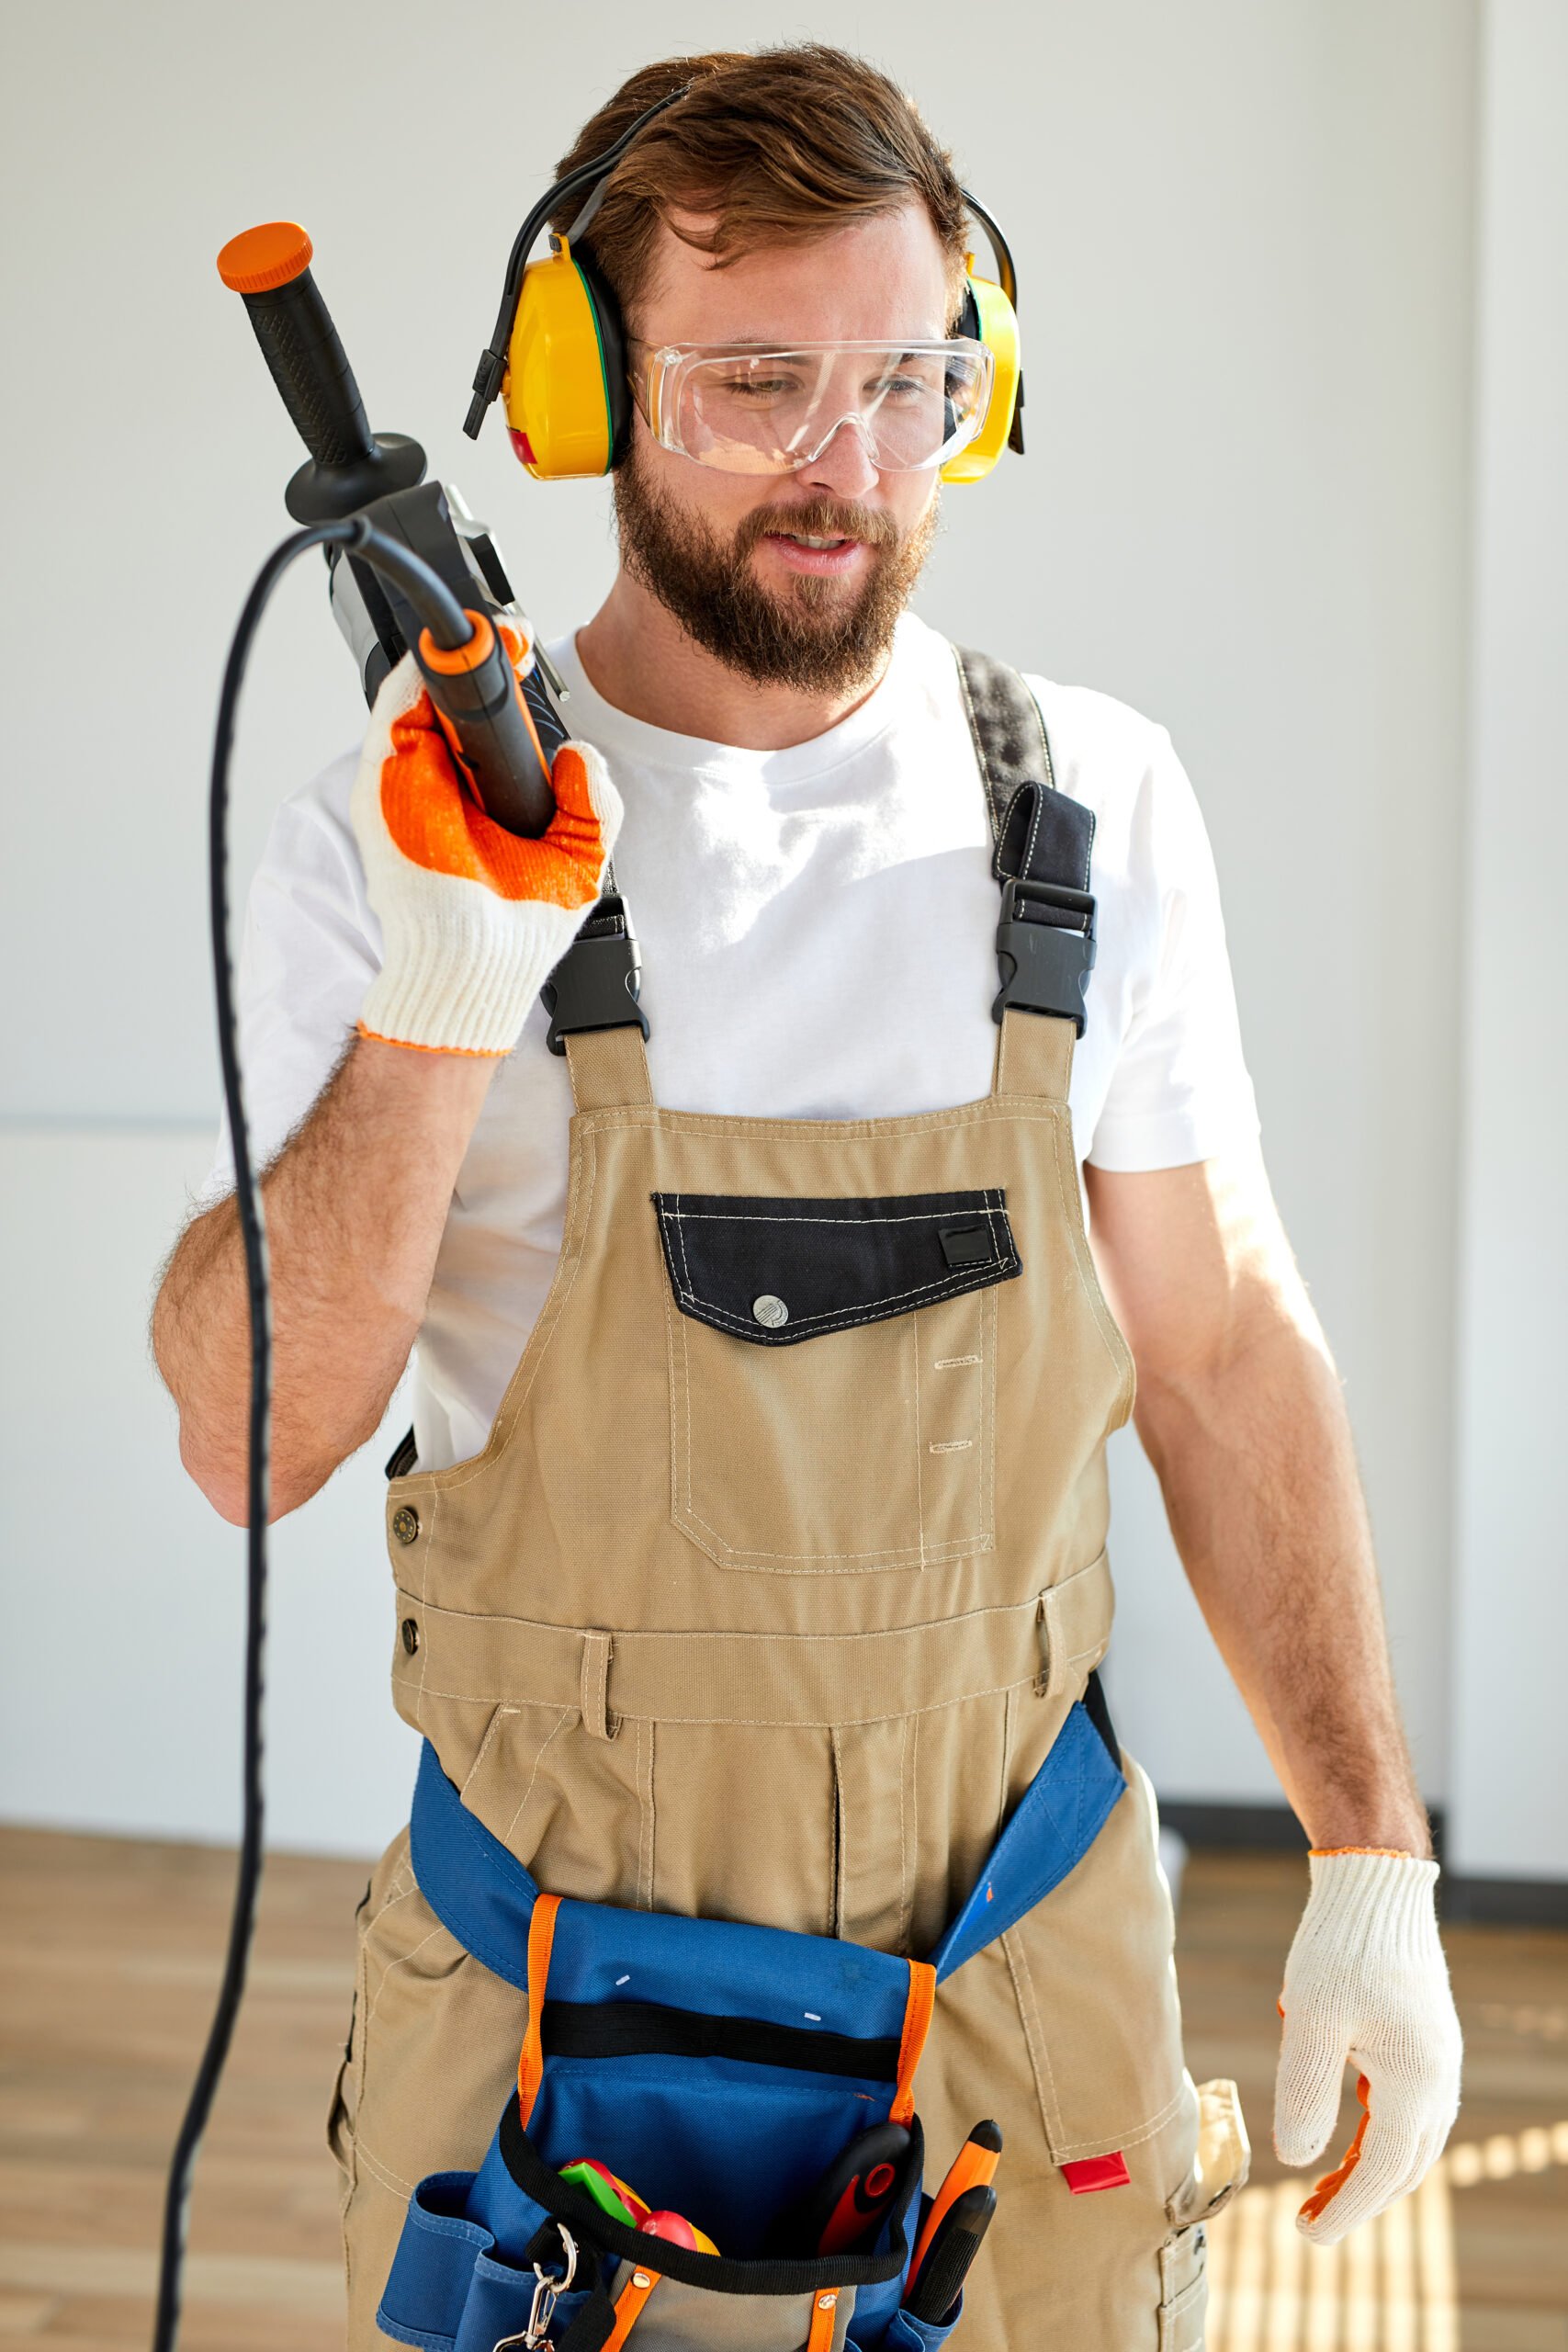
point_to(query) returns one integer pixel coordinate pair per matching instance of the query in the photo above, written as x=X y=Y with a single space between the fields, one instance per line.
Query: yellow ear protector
x=557 y=356
x=990 y=315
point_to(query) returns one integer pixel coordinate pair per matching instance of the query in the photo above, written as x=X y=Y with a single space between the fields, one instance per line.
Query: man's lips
x=839 y=554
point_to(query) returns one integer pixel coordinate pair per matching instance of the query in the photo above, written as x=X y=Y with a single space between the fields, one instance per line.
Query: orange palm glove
x=1366 y=1979
x=473 y=919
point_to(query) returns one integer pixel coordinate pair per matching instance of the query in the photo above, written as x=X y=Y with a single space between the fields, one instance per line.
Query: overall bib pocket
x=813 y=1336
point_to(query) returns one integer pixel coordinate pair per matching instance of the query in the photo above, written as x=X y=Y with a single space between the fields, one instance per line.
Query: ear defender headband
x=557 y=358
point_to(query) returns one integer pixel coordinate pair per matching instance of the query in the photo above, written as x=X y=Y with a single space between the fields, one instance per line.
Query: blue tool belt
x=718 y=2067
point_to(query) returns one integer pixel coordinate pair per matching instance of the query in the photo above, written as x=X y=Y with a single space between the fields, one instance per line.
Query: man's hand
x=1240 y=1410
x=1366 y=1981
x=473 y=919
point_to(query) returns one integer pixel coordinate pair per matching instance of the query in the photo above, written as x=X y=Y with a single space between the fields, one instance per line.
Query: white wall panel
x=1244 y=239
x=124 y=1610
x=1510 y=1782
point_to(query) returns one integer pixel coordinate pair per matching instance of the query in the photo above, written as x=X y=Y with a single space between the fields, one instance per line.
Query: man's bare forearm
x=356 y=1205
x=1256 y=1463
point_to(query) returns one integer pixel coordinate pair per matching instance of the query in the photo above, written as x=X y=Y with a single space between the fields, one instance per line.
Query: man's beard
x=813 y=635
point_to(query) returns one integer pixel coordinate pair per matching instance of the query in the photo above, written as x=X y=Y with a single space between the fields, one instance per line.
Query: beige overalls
x=781 y=1633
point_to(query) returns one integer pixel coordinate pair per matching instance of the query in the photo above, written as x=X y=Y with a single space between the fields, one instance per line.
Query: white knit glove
x=1366 y=1979
x=473 y=919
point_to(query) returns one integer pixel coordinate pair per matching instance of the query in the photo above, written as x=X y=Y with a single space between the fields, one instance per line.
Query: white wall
x=1511 y=1618
x=124 y=1614
x=1244 y=236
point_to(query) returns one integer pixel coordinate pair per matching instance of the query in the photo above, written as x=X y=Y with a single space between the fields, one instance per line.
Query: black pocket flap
x=781 y=1270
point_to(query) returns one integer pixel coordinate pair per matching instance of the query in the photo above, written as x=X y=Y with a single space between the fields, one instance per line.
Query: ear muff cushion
x=969 y=324
x=611 y=350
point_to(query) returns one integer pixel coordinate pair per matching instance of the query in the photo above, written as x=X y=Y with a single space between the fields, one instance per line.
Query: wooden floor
x=1477 y=2261
x=108 y=1956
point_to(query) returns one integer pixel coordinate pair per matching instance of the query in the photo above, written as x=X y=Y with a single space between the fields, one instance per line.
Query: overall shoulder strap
x=1043 y=842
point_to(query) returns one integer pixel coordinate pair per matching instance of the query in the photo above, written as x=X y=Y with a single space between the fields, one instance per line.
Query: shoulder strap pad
x=1044 y=841
x=1048 y=836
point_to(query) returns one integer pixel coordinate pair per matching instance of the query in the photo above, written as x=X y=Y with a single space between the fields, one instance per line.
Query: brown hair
x=775 y=146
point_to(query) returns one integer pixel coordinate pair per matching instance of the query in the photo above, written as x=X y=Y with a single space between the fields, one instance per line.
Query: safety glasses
x=748 y=410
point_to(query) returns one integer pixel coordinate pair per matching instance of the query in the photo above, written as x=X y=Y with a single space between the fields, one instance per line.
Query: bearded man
x=751 y=1535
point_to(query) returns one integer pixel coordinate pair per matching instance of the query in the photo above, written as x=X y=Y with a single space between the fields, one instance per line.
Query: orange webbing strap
x=824 y=2313
x=531 y=2064
x=918 y=2010
x=628 y=2307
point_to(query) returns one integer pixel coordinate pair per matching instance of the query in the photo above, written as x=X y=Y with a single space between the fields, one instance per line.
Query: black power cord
x=444 y=617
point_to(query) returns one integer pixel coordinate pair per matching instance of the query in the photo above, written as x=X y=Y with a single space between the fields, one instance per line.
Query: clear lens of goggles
x=755 y=412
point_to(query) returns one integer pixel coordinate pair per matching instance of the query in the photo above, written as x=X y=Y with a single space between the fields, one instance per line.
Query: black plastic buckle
x=1045 y=967
x=597 y=982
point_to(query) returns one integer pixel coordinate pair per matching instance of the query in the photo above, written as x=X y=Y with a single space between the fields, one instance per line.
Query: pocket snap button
x=770 y=1311
x=405 y=1524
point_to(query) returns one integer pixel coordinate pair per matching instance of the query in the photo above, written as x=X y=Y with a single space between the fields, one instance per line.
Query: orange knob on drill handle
x=973 y=2167
x=489 y=726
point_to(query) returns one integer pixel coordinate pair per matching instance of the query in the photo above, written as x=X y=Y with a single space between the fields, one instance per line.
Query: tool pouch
x=717 y=2067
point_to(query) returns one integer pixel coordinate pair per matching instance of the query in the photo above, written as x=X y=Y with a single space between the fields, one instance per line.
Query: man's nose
x=842 y=465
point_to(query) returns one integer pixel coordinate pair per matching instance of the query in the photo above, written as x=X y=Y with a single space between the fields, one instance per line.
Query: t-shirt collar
x=621 y=737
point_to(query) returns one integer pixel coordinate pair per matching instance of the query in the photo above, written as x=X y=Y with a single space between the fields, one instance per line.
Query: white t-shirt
x=818 y=931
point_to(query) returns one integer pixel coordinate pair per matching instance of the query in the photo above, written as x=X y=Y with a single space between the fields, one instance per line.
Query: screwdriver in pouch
x=973 y=2167
x=952 y=2249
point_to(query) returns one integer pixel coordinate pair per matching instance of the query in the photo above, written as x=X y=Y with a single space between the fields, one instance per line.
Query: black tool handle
x=310 y=368
x=483 y=706
x=408 y=542
x=463 y=660
x=952 y=2249
x=269 y=268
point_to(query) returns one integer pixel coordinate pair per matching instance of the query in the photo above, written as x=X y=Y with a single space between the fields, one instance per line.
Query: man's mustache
x=817 y=518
